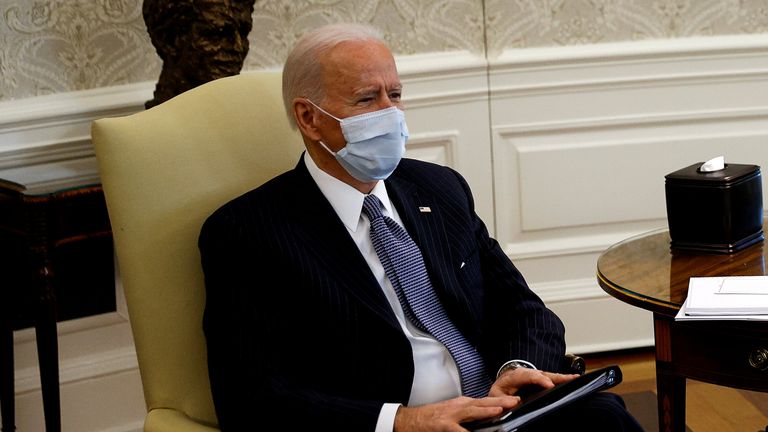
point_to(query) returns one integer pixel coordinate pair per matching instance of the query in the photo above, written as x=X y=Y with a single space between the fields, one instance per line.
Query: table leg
x=670 y=387
x=7 y=396
x=48 y=354
x=671 y=399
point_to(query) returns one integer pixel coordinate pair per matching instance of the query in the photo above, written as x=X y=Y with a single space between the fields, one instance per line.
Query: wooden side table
x=32 y=228
x=643 y=271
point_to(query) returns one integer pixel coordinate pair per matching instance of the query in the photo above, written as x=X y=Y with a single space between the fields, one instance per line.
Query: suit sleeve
x=251 y=389
x=517 y=324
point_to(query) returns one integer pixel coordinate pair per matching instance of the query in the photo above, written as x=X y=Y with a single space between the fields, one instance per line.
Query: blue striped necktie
x=404 y=266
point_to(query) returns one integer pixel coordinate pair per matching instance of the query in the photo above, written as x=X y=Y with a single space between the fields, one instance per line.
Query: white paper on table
x=683 y=316
x=754 y=285
x=727 y=296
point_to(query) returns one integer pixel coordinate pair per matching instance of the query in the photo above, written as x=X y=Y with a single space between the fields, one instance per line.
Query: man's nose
x=386 y=102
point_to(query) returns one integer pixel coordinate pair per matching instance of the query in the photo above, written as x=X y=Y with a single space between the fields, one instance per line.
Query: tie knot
x=372 y=207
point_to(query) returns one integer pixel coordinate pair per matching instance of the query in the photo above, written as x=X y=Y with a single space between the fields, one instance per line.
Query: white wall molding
x=660 y=80
x=137 y=426
x=650 y=50
x=53 y=151
x=581 y=156
x=56 y=127
x=63 y=118
x=446 y=100
x=98 y=367
x=642 y=65
x=72 y=107
x=451 y=65
x=630 y=142
x=45 y=141
x=442 y=79
x=613 y=345
x=437 y=147
x=74 y=326
x=80 y=369
x=566 y=245
x=443 y=73
x=553 y=127
x=568 y=290
x=595 y=321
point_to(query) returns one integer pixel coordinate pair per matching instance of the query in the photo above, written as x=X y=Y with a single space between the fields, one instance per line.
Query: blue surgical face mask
x=375 y=143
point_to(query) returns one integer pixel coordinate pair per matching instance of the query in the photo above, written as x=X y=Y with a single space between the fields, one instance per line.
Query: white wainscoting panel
x=437 y=148
x=582 y=139
x=633 y=155
x=446 y=104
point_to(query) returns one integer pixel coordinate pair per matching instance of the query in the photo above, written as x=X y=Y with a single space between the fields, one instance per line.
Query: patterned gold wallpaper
x=53 y=46
x=529 y=23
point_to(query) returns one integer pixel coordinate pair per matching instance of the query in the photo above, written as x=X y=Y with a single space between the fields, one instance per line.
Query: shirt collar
x=345 y=200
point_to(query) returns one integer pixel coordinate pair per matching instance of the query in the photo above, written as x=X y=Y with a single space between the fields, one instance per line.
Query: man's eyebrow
x=366 y=91
x=372 y=90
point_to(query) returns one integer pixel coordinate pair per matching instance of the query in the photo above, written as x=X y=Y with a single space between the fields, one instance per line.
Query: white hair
x=302 y=72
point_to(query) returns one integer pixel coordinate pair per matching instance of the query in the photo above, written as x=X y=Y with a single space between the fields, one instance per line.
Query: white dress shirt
x=436 y=376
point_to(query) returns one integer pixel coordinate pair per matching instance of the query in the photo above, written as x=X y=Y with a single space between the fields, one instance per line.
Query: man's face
x=358 y=77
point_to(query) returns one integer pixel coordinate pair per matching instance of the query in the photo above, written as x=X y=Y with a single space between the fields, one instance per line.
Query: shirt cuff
x=386 y=421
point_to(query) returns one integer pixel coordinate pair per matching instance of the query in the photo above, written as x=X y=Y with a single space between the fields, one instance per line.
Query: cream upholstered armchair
x=163 y=172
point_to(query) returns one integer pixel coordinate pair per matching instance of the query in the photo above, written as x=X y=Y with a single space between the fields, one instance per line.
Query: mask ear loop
x=329 y=115
x=323 y=111
x=326 y=148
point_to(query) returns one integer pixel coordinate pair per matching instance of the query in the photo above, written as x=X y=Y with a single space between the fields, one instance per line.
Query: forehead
x=355 y=65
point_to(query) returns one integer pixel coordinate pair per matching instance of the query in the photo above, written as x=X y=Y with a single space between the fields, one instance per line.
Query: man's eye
x=394 y=96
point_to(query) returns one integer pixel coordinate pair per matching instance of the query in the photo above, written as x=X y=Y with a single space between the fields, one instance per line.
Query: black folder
x=549 y=400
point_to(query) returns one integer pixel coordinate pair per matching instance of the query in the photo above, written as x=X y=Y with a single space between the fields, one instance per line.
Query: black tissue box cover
x=719 y=211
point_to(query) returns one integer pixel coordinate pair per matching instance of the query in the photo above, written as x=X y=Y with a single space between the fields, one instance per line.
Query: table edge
x=634 y=299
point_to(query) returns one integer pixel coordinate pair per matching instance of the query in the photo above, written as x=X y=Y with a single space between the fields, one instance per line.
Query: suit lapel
x=327 y=240
x=422 y=217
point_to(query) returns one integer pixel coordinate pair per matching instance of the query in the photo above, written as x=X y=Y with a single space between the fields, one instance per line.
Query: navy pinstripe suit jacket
x=299 y=331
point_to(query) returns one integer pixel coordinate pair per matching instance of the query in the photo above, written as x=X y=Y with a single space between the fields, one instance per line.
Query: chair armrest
x=171 y=420
x=574 y=364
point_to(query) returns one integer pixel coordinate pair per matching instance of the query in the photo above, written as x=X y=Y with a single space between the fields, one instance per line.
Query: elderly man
x=361 y=292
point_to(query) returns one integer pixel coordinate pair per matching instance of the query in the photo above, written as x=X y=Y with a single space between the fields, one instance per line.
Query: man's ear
x=306 y=118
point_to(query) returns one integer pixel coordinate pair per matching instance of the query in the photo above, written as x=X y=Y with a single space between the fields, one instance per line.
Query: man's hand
x=448 y=415
x=510 y=382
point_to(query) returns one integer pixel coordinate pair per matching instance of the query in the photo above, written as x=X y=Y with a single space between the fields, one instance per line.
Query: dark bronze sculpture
x=198 y=41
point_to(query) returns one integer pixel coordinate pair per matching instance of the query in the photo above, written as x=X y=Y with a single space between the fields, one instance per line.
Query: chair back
x=163 y=172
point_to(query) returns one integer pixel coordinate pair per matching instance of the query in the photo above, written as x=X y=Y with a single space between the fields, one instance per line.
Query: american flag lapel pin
x=425 y=209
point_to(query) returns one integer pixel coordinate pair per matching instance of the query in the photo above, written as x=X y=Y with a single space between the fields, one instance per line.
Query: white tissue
x=714 y=164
